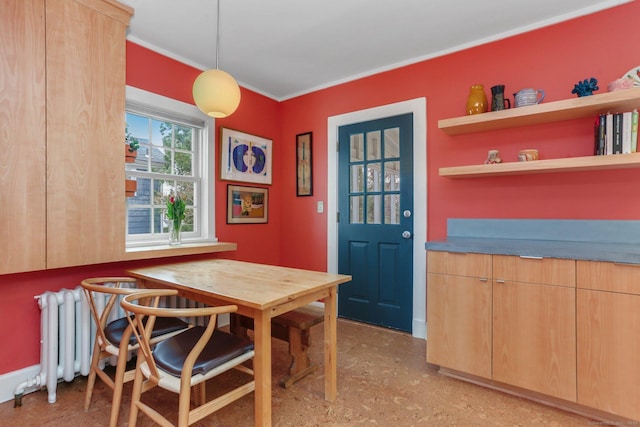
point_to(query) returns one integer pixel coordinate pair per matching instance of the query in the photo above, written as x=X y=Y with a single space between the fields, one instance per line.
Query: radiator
x=68 y=334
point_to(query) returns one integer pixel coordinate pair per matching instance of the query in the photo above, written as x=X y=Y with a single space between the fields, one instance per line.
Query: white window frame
x=206 y=158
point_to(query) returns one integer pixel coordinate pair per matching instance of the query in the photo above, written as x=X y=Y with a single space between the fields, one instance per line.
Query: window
x=175 y=157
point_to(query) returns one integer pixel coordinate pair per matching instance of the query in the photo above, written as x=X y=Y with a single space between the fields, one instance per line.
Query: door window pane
x=373 y=145
x=356 y=145
x=392 y=176
x=391 y=143
x=374 y=209
x=356 y=209
x=357 y=179
x=392 y=209
x=373 y=176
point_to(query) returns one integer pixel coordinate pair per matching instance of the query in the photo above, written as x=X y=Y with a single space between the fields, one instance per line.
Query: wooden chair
x=187 y=359
x=114 y=338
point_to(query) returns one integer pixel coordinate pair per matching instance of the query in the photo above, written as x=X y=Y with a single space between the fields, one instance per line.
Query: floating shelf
x=572 y=164
x=568 y=109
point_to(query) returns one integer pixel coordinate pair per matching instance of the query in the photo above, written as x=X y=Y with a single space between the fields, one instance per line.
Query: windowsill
x=162 y=251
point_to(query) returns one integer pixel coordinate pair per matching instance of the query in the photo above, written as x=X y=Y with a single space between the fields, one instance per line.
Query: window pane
x=143 y=193
x=391 y=143
x=357 y=179
x=356 y=145
x=183 y=135
x=392 y=176
x=373 y=145
x=160 y=160
x=139 y=221
x=183 y=165
x=392 y=209
x=374 y=209
x=356 y=206
x=373 y=176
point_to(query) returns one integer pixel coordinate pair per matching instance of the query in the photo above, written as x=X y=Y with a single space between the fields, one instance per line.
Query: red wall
x=554 y=59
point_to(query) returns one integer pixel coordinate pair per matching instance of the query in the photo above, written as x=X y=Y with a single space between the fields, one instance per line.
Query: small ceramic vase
x=477 y=101
x=493 y=157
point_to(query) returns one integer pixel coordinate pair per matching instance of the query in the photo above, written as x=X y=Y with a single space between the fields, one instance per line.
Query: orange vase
x=477 y=101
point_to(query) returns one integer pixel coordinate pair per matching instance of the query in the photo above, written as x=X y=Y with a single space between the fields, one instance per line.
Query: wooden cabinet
x=22 y=136
x=63 y=127
x=534 y=339
x=588 y=106
x=608 y=337
x=459 y=312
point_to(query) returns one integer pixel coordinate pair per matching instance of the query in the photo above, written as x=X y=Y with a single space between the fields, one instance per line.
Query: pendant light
x=215 y=92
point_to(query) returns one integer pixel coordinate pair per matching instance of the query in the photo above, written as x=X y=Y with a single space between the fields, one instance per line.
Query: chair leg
x=135 y=394
x=118 y=383
x=91 y=381
x=184 y=406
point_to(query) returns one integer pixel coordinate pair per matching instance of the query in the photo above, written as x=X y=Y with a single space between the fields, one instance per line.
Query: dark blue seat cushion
x=164 y=325
x=170 y=354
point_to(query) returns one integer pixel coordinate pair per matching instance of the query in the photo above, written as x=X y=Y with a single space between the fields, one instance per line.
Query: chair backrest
x=113 y=288
x=145 y=304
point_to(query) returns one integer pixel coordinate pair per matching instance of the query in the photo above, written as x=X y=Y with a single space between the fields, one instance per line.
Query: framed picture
x=304 y=164
x=245 y=157
x=247 y=205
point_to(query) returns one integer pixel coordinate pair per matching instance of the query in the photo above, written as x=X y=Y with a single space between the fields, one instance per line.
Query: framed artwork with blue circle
x=245 y=157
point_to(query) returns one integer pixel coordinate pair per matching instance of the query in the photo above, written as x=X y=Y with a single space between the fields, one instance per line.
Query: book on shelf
x=634 y=131
x=616 y=133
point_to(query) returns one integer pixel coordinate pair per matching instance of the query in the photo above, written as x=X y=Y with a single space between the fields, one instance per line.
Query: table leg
x=262 y=369
x=330 y=346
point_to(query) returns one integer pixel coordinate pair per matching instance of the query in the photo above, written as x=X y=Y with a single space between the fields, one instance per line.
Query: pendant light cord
x=218 y=36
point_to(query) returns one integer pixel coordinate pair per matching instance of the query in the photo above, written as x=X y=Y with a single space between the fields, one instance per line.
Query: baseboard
x=10 y=380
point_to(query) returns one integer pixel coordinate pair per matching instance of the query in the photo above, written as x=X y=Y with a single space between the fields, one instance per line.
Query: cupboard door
x=534 y=342
x=459 y=323
x=608 y=348
x=22 y=136
x=85 y=132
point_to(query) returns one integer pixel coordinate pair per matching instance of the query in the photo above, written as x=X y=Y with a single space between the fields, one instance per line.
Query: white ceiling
x=284 y=48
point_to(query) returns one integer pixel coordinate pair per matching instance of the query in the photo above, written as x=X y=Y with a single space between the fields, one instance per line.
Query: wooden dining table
x=261 y=292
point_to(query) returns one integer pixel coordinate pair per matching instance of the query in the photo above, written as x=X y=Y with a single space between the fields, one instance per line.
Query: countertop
x=592 y=240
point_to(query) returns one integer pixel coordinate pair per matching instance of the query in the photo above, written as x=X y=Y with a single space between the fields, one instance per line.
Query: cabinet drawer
x=459 y=264
x=548 y=271
x=609 y=276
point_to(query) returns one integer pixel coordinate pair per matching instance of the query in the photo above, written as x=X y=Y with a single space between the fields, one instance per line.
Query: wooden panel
x=534 y=343
x=460 y=264
x=608 y=347
x=573 y=164
x=567 y=109
x=609 y=276
x=550 y=271
x=459 y=323
x=85 y=130
x=22 y=135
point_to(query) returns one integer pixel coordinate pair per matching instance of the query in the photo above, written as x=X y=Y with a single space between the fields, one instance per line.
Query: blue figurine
x=585 y=87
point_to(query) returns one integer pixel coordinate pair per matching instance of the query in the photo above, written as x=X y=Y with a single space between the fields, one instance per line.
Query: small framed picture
x=247 y=205
x=304 y=165
x=245 y=157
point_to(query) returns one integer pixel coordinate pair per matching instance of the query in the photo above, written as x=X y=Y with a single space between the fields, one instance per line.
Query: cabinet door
x=85 y=132
x=459 y=313
x=534 y=339
x=459 y=323
x=22 y=135
x=608 y=349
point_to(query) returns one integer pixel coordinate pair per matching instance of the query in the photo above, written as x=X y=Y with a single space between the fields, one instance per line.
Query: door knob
x=406 y=234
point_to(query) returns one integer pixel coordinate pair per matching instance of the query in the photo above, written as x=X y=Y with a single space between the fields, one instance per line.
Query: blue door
x=375 y=226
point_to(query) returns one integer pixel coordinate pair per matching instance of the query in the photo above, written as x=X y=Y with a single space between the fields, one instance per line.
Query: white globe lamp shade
x=216 y=93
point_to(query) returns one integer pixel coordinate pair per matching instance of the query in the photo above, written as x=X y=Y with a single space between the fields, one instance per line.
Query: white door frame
x=418 y=107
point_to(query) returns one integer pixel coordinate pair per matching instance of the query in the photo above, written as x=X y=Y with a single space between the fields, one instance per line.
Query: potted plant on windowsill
x=131 y=146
